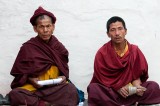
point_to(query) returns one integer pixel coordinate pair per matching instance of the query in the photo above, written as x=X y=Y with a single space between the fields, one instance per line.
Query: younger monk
x=41 y=58
x=121 y=72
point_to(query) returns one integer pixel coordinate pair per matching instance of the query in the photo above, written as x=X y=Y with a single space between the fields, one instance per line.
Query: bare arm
x=137 y=82
x=140 y=90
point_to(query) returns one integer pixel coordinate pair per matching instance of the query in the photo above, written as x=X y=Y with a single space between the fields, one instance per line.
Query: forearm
x=137 y=82
x=34 y=82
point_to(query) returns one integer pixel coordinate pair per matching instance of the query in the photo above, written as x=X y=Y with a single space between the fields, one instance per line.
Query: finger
x=120 y=92
x=123 y=95
x=125 y=91
x=143 y=88
x=140 y=92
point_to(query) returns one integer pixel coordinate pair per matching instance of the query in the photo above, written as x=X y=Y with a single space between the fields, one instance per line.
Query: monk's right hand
x=34 y=82
x=124 y=91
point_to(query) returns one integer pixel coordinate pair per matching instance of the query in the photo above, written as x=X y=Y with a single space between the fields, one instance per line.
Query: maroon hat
x=41 y=11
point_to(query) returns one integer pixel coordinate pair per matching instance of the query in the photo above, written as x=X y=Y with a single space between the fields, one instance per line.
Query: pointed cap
x=41 y=11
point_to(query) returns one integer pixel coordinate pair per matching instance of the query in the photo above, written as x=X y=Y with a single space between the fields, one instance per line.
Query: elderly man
x=121 y=72
x=42 y=58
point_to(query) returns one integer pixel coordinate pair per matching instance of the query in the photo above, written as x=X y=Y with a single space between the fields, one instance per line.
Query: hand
x=63 y=79
x=124 y=91
x=34 y=82
x=140 y=90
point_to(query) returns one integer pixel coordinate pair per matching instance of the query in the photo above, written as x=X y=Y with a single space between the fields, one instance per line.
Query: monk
x=121 y=72
x=41 y=58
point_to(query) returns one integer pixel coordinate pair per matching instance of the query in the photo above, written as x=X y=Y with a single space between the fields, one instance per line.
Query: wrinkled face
x=44 y=27
x=117 y=32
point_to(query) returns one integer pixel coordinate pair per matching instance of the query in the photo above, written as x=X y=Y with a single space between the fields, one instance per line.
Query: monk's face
x=117 y=32
x=44 y=27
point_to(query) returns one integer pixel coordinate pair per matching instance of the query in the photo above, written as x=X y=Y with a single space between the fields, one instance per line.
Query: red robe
x=111 y=72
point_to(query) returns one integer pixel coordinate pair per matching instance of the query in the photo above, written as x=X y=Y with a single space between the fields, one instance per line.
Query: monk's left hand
x=140 y=90
x=63 y=79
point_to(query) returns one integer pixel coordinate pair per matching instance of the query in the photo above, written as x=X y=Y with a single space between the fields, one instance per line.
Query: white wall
x=81 y=28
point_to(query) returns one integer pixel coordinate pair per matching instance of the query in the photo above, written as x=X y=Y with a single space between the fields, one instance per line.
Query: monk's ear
x=35 y=28
x=53 y=26
x=108 y=34
x=126 y=31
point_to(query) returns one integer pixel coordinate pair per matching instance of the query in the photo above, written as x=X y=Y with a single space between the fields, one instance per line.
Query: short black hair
x=113 y=20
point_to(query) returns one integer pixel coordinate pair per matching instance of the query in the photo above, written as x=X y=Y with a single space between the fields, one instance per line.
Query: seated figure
x=121 y=72
x=42 y=57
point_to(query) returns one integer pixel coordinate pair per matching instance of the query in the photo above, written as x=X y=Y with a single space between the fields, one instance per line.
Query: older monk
x=41 y=58
x=121 y=72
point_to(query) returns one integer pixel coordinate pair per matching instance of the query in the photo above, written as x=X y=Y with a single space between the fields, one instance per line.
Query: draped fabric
x=36 y=57
x=100 y=95
x=60 y=95
x=111 y=72
x=114 y=71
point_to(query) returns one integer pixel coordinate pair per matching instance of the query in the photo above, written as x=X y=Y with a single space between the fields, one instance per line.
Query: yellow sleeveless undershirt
x=52 y=73
x=121 y=54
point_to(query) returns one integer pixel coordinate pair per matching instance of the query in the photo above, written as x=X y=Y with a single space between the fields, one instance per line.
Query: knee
x=153 y=84
x=72 y=88
x=12 y=93
x=92 y=88
x=73 y=94
x=15 y=94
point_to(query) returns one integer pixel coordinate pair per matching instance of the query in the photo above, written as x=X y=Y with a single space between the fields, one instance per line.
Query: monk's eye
x=112 y=30
x=41 y=27
x=120 y=28
x=48 y=26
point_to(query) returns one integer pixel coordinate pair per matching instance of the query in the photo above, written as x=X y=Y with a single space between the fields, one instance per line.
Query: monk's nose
x=45 y=29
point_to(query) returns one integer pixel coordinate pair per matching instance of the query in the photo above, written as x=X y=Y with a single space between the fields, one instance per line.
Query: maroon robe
x=111 y=72
x=34 y=58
